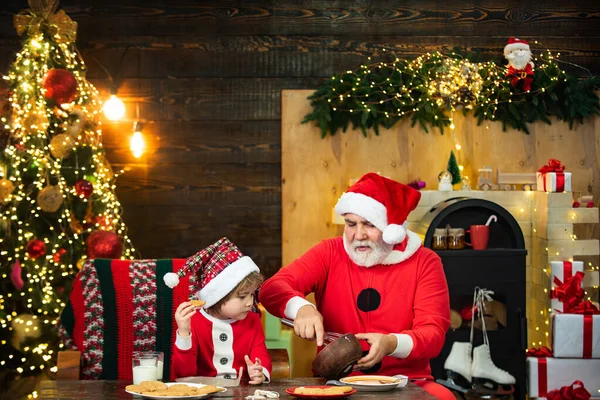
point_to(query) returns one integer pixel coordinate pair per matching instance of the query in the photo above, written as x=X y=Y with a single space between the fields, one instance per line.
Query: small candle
x=144 y=373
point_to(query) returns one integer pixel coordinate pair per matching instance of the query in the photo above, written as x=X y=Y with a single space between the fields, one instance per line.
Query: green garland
x=431 y=87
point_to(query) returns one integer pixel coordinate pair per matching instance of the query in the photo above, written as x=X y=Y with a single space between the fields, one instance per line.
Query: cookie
x=208 y=389
x=197 y=303
x=134 y=388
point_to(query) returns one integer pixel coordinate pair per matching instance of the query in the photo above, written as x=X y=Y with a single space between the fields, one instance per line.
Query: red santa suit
x=517 y=75
x=406 y=295
x=217 y=347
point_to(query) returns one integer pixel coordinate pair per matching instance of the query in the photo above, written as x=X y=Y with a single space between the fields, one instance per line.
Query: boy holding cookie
x=224 y=334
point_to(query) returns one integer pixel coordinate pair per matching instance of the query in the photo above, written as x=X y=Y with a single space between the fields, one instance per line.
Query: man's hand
x=381 y=346
x=309 y=324
x=255 y=371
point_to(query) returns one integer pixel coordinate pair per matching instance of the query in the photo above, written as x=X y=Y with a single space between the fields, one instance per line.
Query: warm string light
x=29 y=165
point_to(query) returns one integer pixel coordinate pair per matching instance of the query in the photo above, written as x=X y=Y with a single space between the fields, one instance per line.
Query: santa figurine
x=520 y=67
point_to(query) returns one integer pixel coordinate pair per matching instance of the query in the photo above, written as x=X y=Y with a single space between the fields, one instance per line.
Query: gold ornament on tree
x=6 y=188
x=61 y=145
x=80 y=263
x=75 y=225
x=42 y=15
x=50 y=198
x=75 y=123
x=24 y=326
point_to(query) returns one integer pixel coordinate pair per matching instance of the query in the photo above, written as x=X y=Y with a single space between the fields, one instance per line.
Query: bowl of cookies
x=337 y=358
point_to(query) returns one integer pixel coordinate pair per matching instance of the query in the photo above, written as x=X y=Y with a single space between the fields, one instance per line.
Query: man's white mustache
x=358 y=243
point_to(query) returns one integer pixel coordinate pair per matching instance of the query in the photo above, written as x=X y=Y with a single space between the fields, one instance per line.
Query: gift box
x=576 y=336
x=562 y=271
x=553 y=178
x=547 y=373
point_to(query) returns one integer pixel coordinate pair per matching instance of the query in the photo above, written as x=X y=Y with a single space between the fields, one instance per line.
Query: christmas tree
x=57 y=200
x=453 y=168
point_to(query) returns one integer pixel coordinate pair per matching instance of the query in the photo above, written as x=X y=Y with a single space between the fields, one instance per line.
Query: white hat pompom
x=394 y=234
x=171 y=279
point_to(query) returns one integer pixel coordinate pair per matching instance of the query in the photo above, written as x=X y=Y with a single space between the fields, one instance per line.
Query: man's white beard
x=520 y=61
x=379 y=251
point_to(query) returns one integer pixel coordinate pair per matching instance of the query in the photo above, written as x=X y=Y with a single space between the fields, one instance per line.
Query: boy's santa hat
x=217 y=270
x=515 y=44
x=381 y=201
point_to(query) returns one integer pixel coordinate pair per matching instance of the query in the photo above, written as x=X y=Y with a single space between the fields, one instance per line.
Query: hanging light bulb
x=137 y=143
x=114 y=109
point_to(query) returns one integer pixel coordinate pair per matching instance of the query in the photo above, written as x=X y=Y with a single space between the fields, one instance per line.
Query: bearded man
x=377 y=282
x=520 y=67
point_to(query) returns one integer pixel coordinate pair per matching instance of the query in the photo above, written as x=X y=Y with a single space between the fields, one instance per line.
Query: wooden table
x=115 y=390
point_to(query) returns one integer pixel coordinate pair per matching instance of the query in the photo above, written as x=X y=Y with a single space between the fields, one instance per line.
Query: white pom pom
x=393 y=234
x=171 y=279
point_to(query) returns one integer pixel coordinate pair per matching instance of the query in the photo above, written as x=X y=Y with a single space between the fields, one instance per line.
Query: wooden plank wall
x=208 y=76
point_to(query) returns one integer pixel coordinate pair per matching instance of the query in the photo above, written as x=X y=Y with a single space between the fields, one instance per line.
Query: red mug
x=480 y=235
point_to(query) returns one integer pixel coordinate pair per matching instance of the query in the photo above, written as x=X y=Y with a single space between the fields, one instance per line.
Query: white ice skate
x=487 y=378
x=458 y=368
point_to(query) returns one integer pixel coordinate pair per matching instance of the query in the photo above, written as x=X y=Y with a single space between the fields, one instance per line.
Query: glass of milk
x=160 y=360
x=145 y=367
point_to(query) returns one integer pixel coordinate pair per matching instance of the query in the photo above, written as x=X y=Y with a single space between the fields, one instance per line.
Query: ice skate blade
x=450 y=384
x=487 y=386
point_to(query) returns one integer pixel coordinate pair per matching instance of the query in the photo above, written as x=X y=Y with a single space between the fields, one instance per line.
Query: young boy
x=225 y=334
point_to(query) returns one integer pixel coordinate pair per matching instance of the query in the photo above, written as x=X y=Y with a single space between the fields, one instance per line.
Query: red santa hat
x=381 y=201
x=515 y=44
x=217 y=270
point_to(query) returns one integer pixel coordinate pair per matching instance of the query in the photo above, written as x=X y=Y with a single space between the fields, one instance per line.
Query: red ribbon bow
x=570 y=392
x=585 y=308
x=570 y=292
x=541 y=352
x=552 y=166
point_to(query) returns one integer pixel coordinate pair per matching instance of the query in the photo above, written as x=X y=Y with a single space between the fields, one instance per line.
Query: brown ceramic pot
x=337 y=358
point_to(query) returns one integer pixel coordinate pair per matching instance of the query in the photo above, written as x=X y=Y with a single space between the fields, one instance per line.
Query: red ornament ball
x=60 y=85
x=84 y=188
x=590 y=204
x=36 y=248
x=104 y=244
x=575 y=204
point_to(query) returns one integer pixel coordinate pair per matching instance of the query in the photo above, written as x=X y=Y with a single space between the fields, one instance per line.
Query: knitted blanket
x=118 y=307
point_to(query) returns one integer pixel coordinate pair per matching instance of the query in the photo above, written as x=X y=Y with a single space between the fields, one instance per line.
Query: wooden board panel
x=319 y=17
x=195 y=99
x=184 y=230
x=292 y=56
x=199 y=184
x=185 y=142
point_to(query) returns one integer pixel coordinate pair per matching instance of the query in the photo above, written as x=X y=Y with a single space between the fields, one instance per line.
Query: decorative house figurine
x=445 y=181
x=484 y=182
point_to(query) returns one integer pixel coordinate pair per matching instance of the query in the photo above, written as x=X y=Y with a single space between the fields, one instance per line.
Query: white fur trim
x=515 y=46
x=363 y=206
x=294 y=304
x=396 y=256
x=394 y=234
x=171 y=279
x=183 y=342
x=404 y=346
x=222 y=284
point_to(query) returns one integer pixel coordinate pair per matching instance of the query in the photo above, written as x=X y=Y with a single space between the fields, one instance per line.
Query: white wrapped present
x=546 y=373
x=563 y=270
x=576 y=336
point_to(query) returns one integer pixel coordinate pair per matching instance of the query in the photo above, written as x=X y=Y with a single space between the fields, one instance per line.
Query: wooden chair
x=69 y=364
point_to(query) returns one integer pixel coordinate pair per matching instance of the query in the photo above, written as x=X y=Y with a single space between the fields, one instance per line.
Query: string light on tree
x=56 y=190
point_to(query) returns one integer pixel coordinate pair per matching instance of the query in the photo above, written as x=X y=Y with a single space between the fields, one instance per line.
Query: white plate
x=375 y=383
x=196 y=396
